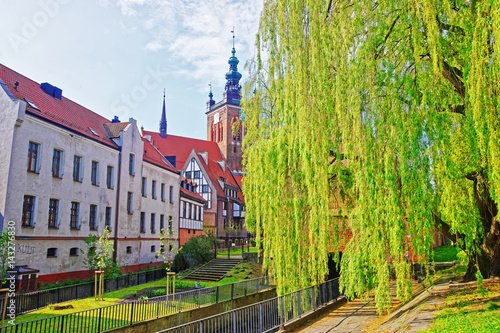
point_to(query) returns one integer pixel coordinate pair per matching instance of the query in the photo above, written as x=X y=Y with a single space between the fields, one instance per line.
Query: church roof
x=181 y=147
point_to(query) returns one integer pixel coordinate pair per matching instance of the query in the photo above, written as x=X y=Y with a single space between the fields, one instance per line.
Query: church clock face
x=216 y=118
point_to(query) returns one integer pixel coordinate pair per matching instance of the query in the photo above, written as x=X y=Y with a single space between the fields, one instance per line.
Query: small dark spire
x=210 y=102
x=163 y=121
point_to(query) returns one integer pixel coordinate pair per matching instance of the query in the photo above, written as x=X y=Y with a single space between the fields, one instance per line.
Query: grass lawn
x=246 y=270
x=236 y=251
x=445 y=253
x=470 y=311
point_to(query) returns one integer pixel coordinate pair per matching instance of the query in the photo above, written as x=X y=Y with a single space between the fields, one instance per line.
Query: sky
x=116 y=57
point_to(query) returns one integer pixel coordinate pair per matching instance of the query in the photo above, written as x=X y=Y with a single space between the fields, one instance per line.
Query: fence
x=126 y=314
x=266 y=316
x=39 y=299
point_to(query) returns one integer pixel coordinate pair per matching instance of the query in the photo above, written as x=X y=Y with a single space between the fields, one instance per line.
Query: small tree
x=99 y=255
x=4 y=255
x=90 y=260
x=166 y=239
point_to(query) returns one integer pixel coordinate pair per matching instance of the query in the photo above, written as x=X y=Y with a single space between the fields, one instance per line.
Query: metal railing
x=266 y=316
x=39 y=299
x=127 y=314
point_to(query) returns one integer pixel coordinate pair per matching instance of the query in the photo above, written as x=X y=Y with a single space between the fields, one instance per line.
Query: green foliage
x=380 y=118
x=6 y=240
x=179 y=263
x=90 y=260
x=198 y=250
x=98 y=254
x=64 y=283
x=445 y=253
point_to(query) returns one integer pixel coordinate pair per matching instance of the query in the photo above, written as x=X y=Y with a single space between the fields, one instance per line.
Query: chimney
x=222 y=164
x=204 y=155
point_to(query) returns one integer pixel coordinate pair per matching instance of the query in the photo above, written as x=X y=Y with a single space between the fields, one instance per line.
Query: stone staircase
x=213 y=270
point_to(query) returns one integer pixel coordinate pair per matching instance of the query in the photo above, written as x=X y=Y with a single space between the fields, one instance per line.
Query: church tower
x=163 y=120
x=222 y=115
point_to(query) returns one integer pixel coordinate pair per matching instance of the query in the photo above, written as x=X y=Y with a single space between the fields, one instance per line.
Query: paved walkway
x=361 y=316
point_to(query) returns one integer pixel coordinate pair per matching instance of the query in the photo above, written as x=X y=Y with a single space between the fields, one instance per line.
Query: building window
x=74 y=252
x=153 y=248
x=94 y=175
x=162 y=223
x=189 y=211
x=194 y=231
x=153 y=189
x=162 y=248
x=188 y=174
x=183 y=211
x=153 y=222
x=53 y=213
x=93 y=217
x=143 y=187
x=34 y=152
x=109 y=177
x=77 y=168
x=224 y=208
x=189 y=231
x=205 y=188
x=130 y=201
x=75 y=215
x=129 y=249
x=162 y=192
x=143 y=222
x=170 y=248
x=171 y=194
x=52 y=252
x=131 y=165
x=57 y=163
x=197 y=174
x=28 y=217
x=107 y=218
x=170 y=225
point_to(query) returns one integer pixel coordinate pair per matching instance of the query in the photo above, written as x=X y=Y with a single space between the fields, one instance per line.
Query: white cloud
x=196 y=32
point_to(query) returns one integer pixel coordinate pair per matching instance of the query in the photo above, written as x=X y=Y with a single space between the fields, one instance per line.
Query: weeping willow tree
x=377 y=119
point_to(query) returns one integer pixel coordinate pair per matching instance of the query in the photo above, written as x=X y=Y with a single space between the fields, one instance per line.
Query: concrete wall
x=32 y=242
x=189 y=316
x=11 y=116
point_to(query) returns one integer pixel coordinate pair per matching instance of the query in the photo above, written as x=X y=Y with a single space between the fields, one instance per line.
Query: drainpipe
x=115 y=244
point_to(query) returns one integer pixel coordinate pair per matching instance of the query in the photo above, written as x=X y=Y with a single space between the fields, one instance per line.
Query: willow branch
x=454 y=77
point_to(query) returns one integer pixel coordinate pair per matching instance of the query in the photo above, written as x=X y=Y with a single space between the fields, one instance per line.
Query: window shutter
x=82 y=169
x=58 y=222
x=35 y=211
x=39 y=158
x=61 y=169
x=98 y=178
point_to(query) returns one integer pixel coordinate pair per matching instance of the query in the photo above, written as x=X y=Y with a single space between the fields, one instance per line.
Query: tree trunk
x=487 y=258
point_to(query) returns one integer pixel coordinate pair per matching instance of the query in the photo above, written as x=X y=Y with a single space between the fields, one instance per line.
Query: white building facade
x=67 y=173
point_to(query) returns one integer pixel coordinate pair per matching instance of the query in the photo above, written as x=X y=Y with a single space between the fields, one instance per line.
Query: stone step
x=214 y=270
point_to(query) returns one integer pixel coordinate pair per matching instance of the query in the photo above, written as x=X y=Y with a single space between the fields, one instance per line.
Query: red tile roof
x=152 y=155
x=194 y=195
x=63 y=112
x=181 y=147
x=215 y=173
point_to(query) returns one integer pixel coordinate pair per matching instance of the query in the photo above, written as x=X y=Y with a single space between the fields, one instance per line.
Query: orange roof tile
x=181 y=147
x=63 y=112
x=152 y=155
x=194 y=195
